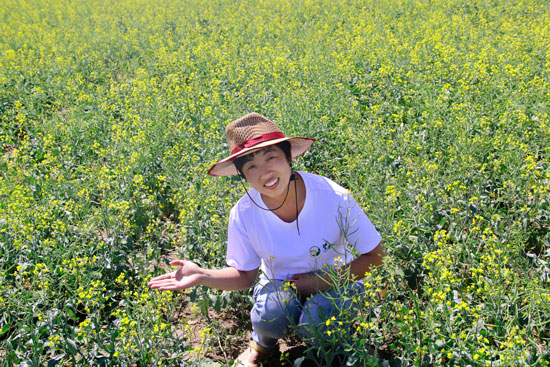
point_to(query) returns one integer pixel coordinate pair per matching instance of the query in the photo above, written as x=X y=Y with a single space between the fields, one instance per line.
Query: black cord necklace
x=292 y=178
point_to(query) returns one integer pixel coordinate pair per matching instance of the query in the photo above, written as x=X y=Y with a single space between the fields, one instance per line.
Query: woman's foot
x=253 y=355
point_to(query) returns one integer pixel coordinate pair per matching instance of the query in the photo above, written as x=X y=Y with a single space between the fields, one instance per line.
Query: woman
x=291 y=227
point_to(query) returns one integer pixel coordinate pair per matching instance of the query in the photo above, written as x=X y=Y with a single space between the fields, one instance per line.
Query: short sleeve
x=240 y=253
x=356 y=226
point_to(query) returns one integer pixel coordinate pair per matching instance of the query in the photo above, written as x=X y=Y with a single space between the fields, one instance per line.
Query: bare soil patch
x=231 y=330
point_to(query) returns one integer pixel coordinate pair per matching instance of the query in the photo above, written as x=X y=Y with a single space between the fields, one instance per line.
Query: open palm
x=188 y=275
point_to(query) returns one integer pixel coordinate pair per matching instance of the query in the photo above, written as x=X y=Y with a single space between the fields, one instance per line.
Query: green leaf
x=5 y=329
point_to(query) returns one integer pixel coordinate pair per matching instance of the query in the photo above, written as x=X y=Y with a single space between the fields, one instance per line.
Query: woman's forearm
x=359 y=266
x=228 y=279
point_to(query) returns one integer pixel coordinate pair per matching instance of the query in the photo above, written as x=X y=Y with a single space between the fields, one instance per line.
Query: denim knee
x=311 y=319
x=275 y=309
x=320 y=308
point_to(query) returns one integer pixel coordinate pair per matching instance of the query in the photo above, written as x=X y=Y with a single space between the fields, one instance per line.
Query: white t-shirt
x=258 y=237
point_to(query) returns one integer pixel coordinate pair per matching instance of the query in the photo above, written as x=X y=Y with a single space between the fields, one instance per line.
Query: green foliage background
x=435 y=114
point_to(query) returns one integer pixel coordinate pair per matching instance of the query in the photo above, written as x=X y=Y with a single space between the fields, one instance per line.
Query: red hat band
x=257 y=140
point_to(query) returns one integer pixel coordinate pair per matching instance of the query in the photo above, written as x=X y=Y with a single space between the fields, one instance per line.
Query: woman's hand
x=188 y=275
x=309 y=283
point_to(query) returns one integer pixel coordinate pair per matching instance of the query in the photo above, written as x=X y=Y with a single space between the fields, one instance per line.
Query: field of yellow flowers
x=434 y=114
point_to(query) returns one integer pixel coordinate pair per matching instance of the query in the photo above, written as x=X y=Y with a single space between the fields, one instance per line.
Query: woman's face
x=268 y=171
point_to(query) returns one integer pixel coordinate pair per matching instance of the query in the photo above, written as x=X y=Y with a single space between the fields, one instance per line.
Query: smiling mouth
x=272 y=183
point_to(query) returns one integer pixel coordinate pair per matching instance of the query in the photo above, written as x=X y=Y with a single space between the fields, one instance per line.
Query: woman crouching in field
x=291 y=227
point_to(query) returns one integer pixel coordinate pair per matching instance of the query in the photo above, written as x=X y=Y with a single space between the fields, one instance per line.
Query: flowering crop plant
x=434 y=114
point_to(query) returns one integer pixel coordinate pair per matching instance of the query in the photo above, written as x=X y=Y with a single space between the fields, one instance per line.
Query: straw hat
x=253 y=132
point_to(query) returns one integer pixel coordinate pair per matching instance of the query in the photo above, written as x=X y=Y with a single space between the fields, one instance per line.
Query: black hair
x=240 y=162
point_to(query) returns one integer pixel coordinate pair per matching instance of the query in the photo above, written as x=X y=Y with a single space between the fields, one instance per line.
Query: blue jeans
x=277 y=307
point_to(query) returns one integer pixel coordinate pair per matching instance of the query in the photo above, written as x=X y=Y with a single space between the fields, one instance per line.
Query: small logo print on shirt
x=316 y=250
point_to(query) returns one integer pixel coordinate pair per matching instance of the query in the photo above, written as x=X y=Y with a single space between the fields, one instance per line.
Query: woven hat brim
x=225 y=167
